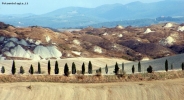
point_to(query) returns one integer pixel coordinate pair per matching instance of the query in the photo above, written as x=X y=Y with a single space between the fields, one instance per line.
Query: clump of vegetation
x=99 y=72
x=22 y=70
x=2 y=69
x=149 y=69
x=13 y=68
x=56 y=68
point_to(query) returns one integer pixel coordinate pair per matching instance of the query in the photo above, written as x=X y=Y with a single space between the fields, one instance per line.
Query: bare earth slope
x=151 y=90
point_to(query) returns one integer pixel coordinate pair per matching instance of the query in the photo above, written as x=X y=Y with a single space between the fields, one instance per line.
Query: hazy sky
x=44 y=6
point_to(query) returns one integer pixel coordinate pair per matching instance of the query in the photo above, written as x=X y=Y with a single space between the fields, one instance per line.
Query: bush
x=149 y=69
x=2 y=69
x=99 y=72
x=21 y=70
x=13 y=68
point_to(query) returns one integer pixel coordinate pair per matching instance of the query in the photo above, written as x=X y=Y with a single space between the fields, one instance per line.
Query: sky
x=44 y=6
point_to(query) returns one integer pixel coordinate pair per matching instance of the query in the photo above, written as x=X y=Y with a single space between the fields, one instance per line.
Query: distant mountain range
x=81 y=17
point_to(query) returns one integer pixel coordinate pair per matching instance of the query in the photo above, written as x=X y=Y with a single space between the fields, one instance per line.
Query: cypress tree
x=83 y=68
x=100 y=70
x=116 y=68
x=31 y=70
x=166 y=65
x=66 y=70
x=13 y=68
x=139 y=67
x=39 y=68
x=123 y=67
x=2 y=69
x=133 y=69
x=49 y=68
x=21 y=70
x=182 y=66
x=73 y=68
x=106 y=69
x=90 y=68
x=171 y=66
x=56 y=68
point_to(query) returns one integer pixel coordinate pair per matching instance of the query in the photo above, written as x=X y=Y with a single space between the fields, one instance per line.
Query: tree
x=123 y=67
x=100 y=70
x=90 y=68
x=106 y=69
x=2 y=69
x=31 y=70
x=21 y=70
x=13 y=68
x=166 y=65
x=149 y=69
x=83 y=68
x=73 y=68
x=133 y=69
x=182 y=66
x=49 y=68
x=171 y=66
x=39 y=68
x=66 y=70
x=139 y=67
x=56 y=68
x=116 y=69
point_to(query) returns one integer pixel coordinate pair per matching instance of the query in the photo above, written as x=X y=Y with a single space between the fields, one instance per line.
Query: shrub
x=133 y=69
x=149 y=69
x=106 y=69
x=73 y=68
x=2 y=69
x=39 y=68
x=116 y=68
x=56 y=68
x=21 y=70
x=13 y=68
x=98 y=72
x=90 y=68
x=83 y=68
x=49 y=68
x=66 y=70
x=166 y=65
x=139 y=67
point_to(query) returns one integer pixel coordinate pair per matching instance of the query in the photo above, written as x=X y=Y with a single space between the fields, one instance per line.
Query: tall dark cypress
x=90 y=68
x=166 y=65
x=73 y=68
x=133 y=69
x=56 y=68
x=106 y=69
x=83 y=68
x=182 y=66
x=139 y=67
x=31 y=70
x=123 y=67
x=13 y=68
x=39 y=68
x=116 y=69
x=49 y=68
x=66 y=70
